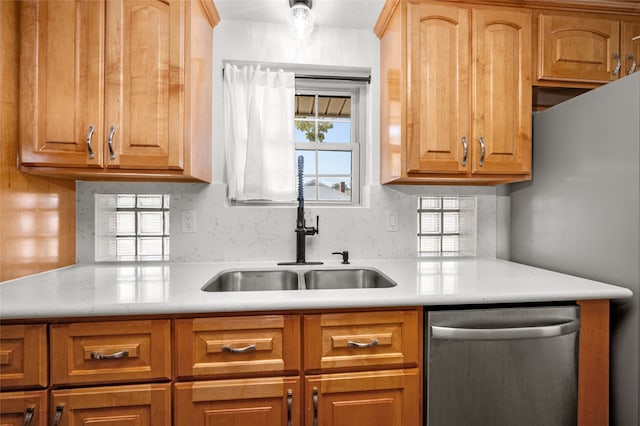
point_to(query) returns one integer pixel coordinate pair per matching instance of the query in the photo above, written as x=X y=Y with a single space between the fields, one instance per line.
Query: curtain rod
x=366 y=79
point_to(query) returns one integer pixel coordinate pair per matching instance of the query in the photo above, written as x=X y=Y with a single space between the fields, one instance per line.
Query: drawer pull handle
x=633 y=63
x=314 y=397
x=481 y=141
x=112 y=131
x=117 y=355
x=616 y=71
x=28 y=415
x=371 y=344
x=465 y=146
x=58 y=416
x=89 y=136
x=246 y=349
x=289 y=406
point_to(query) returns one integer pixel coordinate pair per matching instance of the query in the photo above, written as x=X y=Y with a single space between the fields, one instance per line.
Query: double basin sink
x=284 y=279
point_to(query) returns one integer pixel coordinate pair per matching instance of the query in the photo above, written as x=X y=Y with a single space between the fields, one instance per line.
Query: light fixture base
x=308 y=3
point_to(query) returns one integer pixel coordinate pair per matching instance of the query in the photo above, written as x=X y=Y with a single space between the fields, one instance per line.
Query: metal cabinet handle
x=616 y=70
x=633 y=63
x=371 y=344
x=481 y=162
x=28 y=415
x=465 y=146
x=117 y=355
x=289 y=406
x=89 y=136
x=112 y=131
x=58 y=416
x=554 y=330
x=314 y=397
x=249 y=348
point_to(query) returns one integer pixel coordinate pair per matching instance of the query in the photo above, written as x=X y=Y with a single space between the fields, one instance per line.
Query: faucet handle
x=345 y=256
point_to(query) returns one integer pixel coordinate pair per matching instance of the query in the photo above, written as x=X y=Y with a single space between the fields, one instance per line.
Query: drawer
x=237 y=345
x=23 y=408
x=362 y=339
x=109 y=352
x=23 y=356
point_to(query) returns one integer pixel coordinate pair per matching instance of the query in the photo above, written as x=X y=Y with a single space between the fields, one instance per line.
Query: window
x=329 y=129
x=446 y=226
x=132 y=227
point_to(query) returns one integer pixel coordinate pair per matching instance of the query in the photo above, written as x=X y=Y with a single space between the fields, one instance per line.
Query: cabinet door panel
x=266 y=401
x=389 y=398
x=16 y=408
x=61 y=87
x=145 y=83
x=577 y=48
x=630 y=51
x=502 y=92
x=439 y=89
x=135 y=405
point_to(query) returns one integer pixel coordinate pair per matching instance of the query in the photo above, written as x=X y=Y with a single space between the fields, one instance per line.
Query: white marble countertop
x=174 y=288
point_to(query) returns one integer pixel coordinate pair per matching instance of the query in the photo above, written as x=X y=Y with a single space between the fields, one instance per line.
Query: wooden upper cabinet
x=630 y=47
x=117 y=88
x=439 y=88
x=455 y=78
x=578 y=48
x=502 y=92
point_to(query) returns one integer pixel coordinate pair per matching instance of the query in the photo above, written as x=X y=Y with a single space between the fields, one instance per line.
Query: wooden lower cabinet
x=23 y=408
x=270 y=401
x=383 y=398
x=140 y=405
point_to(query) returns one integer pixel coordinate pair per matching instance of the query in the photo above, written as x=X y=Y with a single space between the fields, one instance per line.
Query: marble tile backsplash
x=235 y=233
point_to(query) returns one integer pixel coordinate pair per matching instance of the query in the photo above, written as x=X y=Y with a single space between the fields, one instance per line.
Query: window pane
x=305 y=106
x=166 y=223
x=338 y=132
x=430 y=244
x=450 y=203
x=310 y=189
x=166 y=246
x=334 y=189
x=450 y=223
x=430 y=223
x=126 y=223
x=334 y=106
x=430 y=203
x=450 y=243
x=148 y=246
x=126 y=246
x=126 y=201
x=334 y=162
x=150 y=223
x=309 y=161
x=167 y=199
x=150 y=201
x=305 y=131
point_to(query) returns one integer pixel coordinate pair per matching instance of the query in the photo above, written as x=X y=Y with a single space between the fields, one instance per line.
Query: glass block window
x=132 y=227
x=446 y=225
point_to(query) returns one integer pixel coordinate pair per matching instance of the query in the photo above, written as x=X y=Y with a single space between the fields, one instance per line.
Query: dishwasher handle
x=537 y=332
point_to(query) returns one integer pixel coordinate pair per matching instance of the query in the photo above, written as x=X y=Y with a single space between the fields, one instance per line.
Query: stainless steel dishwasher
x=502 y=367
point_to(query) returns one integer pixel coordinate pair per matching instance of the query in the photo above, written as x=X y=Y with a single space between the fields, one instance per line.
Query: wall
x=260 y=233
x=37 y=215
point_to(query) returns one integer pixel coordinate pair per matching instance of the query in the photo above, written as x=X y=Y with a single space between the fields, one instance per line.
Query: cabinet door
x=389 y=398
x=502 y=91
x=630 y=47
x=438 y=121
x=23 y=408
x=143 y=405
x=144 y=84
x=272 y=401
x=576 y=48
x=61 y=85
x=23 y=356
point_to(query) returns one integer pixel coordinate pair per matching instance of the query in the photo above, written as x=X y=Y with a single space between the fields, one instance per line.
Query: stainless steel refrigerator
x=581 y=213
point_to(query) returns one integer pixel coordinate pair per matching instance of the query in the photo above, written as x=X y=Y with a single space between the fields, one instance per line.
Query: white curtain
x=258 y=130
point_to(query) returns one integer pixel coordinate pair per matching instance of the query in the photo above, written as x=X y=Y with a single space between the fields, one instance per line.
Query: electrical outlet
x=188 y=220
x=392 y=220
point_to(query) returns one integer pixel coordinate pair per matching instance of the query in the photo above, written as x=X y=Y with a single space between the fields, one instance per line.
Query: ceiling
x=329 y=13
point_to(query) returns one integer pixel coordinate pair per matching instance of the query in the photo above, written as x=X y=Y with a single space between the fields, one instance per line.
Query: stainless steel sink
x=316 y=279
x=253 y=281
